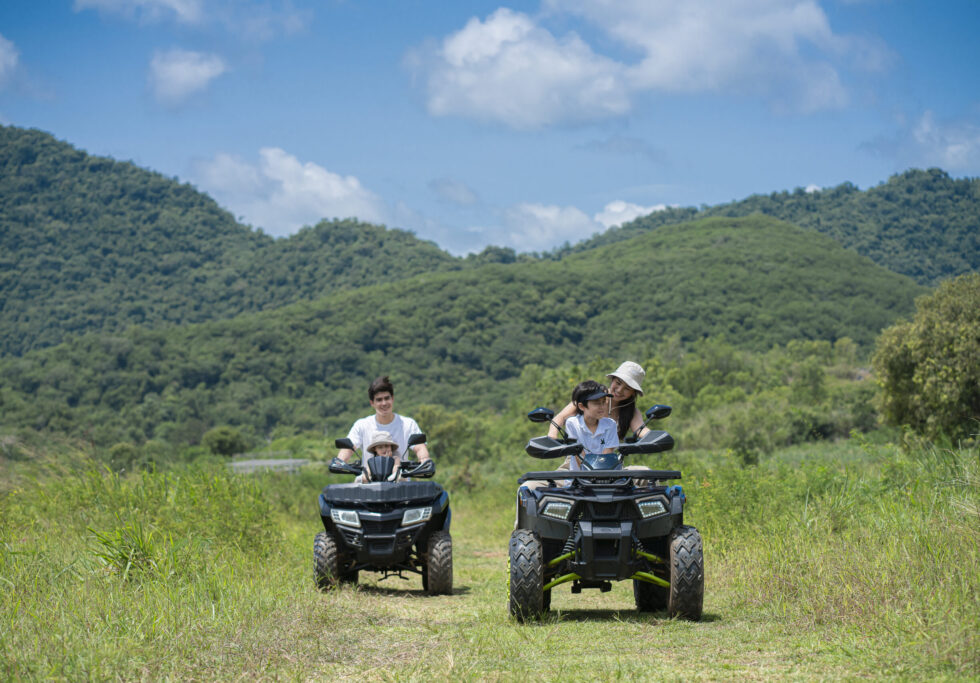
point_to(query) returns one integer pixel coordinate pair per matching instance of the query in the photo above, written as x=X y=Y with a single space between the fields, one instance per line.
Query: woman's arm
x=636 y=424
x=559 y=419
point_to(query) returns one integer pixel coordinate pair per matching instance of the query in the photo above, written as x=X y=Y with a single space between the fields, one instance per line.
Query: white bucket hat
x=379 y=438
x=632 y=374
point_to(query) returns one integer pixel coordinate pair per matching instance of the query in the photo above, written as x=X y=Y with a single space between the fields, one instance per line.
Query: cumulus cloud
x=536 y=227
x=810 y=189
x=618 y=212
x=454 y=192
x=510 y=68
x=9 y=58
x=177 y=74
x=281 y=194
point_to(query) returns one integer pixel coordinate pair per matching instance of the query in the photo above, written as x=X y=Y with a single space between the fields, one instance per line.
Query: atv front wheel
x=437 y=577
x=326 y=564
x=526 y=575
x=686 y=574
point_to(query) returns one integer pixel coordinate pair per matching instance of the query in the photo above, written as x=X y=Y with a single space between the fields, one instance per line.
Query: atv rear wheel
x=326 y=564
x=686 y=595
x=526 y=575
x=437 y=577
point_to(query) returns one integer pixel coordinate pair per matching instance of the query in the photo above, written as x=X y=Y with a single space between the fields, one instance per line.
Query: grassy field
x=838 y=561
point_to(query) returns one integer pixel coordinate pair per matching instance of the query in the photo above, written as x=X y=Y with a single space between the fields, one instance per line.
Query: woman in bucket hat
x=625 y=382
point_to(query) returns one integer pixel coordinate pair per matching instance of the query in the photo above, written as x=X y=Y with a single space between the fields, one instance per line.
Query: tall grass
x=828 y=561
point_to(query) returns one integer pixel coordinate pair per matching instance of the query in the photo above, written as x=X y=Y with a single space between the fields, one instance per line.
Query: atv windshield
x=602 y=461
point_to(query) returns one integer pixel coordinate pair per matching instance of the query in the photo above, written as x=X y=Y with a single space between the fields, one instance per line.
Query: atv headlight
x=345 y=517
x=557 y=509
x=651 y=507
x=416 y=516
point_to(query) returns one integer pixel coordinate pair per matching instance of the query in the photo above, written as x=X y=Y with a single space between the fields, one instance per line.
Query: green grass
x=836 y=561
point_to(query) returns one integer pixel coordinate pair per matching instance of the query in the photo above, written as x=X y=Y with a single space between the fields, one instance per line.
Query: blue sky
x=525 y=124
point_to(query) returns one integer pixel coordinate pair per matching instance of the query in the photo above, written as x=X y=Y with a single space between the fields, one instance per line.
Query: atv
x=384 y=526
x=601 y=523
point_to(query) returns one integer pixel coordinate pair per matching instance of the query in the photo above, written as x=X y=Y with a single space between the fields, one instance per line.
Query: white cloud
x=810 y=189
x=281 y=194
x=535 y=227
x=177 y=74
x=9 y=58
x=618 y=212
x=185 y=11
x=951 y=146
x=510 y=68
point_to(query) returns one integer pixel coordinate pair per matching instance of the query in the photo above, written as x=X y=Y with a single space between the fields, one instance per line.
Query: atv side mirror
x=657 y=412
x=344 y=443
x=541 y=415
x=416 y=439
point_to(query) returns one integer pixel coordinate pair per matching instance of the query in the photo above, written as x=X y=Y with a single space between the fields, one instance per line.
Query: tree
x=225 y=440
x=928 y=369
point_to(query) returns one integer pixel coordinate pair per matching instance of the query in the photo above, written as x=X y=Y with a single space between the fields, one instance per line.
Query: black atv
x=601 y=524
x=384 y=526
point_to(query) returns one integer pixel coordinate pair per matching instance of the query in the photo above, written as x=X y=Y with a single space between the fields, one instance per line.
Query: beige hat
x=632 y=374
x=379 y=438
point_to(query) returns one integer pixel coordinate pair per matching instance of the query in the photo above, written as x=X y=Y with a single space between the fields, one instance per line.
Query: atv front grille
x=372 y=527
x=605 y=510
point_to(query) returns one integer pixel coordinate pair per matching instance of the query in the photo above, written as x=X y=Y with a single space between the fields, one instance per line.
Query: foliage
x=91 y=244
x=456 y=339
x=920 y=223
x=929 y=367
x=224 y=440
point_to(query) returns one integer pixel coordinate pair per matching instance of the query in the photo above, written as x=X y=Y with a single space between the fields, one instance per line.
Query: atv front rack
x=554 y=475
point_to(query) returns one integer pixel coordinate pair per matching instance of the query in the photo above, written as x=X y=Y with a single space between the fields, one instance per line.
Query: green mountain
x=92 y=244
x=456 y=338
x=923 y=224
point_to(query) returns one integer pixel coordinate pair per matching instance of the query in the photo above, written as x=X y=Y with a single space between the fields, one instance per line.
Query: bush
x=928 y=369
x=225 y=440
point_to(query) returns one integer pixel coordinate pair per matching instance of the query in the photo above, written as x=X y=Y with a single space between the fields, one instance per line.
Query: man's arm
x=421 y=452
x=354 y=435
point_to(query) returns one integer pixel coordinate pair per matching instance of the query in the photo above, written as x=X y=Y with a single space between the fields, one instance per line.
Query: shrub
x=928 y=369
x=225 y=440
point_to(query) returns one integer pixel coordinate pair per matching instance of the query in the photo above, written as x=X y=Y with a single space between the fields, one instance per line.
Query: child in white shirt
x=590 y=426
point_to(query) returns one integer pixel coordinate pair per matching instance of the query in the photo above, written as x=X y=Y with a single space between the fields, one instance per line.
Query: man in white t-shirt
x=381 y=394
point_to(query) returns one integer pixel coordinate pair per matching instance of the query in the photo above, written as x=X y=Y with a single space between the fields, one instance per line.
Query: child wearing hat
x=381 y=445
x=590 y=426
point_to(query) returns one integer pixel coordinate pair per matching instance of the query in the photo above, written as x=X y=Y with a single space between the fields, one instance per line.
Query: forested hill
x=923 y=224
x=88 y=243
x=457 y=338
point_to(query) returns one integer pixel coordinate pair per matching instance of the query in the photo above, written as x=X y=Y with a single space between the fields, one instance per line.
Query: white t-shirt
x=604 y=437
x=400 y=429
